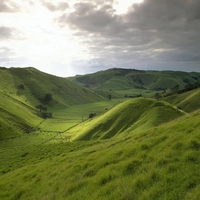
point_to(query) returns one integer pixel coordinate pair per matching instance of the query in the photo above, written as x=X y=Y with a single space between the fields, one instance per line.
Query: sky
x=72 y=37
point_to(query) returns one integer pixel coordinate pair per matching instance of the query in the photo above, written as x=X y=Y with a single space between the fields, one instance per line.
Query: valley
x=114 y=134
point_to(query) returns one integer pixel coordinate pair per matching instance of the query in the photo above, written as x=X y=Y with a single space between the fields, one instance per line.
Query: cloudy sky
x=72 y=37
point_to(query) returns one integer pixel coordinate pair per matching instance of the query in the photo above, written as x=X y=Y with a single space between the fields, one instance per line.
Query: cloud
x=91 y=35
x=88 y=17
x=5 y=54
x=6 y=32
x=153 y=31
x=61 y=6
x=8 y=6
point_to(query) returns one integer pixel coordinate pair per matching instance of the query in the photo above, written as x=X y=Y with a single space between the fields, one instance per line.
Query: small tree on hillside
x=91 y=115
x=47 y=97
x=21 y=86
x=41 y=108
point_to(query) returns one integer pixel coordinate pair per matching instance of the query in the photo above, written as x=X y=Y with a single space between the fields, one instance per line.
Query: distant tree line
x=133 y=96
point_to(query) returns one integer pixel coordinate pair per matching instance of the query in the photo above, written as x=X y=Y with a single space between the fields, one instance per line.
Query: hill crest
x=132 y=115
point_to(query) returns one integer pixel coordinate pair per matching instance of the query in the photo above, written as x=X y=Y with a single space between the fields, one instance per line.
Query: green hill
x=143 y=148
x=188 y=101
x=37 y=84
x=131 y=116
x=21 y=89
x=16 y=117
x=131 y=82
x=160 y=163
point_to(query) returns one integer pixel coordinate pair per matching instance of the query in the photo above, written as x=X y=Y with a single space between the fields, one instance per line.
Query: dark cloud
x=89 y=17
x=7 y=6
x=150 y=34
x=61 y=6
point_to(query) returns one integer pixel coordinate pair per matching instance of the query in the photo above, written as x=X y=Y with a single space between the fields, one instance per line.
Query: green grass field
x=131 y=116
x=141 y=148
x=161 y=163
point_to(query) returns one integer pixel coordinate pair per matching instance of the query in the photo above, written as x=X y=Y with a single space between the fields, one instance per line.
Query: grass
x=66 y=118
x=15 y=117
x=131 y=116
x=188 y=101
x=152 y=151
x=17 y=106
x=161 y=163
x=64 y=92
x=128 y=81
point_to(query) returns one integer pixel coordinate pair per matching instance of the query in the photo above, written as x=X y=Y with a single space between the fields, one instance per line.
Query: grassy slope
x=64 y=92
x=16 y=117
x=161 y=163
x=132 y=115
x=66 y=118
x=188 y=101
x=17 y=106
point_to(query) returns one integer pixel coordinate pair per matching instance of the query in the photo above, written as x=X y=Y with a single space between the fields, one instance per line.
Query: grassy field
x=142 y=148
x=129 y=116
x=161 y=163
x=66 y=118
x=21 y=89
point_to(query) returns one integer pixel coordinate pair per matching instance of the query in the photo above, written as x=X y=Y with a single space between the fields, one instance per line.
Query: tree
x=46 y=115
x=47 y=97
x=175 y=89
x=41 y=107
x=21 y=86
x=91 y=115
x=109 y=97
x=156 y=96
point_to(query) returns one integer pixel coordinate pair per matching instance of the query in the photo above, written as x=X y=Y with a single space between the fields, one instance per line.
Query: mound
x=132 y=115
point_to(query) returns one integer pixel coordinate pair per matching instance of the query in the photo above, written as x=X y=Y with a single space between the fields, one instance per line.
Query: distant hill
x=30 y=85
x=117 y=79
x=132 y=115
x=22 y=89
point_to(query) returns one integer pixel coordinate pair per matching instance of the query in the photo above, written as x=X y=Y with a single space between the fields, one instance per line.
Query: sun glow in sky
x=75 y=37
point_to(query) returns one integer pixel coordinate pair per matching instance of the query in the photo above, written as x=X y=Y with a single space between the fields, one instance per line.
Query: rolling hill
x=30 y=85
x=21 y=89
x=141 y=148
x=188 y=101
x=159 y=163
x=130 y=82
x=130 y=116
